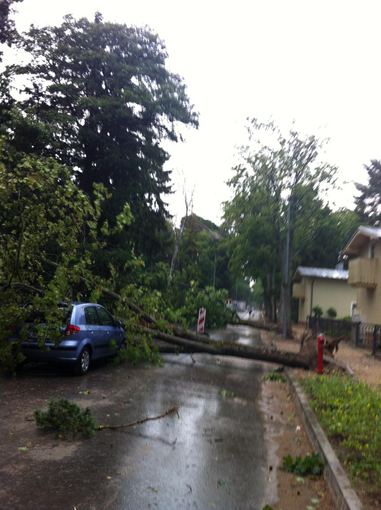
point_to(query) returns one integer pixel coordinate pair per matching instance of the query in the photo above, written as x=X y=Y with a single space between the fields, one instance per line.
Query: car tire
x=82 y=364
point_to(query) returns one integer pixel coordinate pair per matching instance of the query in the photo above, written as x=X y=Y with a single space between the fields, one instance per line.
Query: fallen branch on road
x=171 y=410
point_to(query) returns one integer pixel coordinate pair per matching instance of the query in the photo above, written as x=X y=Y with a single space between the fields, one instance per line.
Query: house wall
x=369 y=300
x=327 y=293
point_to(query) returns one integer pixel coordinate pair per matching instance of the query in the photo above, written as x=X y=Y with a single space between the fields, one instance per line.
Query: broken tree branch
x=171 y=410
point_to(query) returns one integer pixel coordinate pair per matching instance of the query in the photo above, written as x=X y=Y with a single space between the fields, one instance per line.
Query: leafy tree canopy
x=274 y=171
x=99 y=98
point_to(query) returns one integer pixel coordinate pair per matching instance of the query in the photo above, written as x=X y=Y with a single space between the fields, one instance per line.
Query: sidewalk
x=366 y=367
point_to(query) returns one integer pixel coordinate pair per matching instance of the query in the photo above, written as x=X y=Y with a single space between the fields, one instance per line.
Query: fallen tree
x=193 y=342
x=221 y=348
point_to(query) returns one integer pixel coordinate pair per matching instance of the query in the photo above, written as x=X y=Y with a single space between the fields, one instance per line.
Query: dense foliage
x=99 y=98
x=350 y=412
x=49 y=233
x=82 y=186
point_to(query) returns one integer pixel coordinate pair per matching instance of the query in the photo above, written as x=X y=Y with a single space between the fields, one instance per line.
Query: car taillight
x=71 y=329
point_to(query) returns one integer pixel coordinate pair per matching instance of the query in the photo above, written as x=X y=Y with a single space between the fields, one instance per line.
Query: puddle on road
x=243 y=335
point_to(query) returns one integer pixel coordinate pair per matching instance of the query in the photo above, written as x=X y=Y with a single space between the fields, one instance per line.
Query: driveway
x=213 y=456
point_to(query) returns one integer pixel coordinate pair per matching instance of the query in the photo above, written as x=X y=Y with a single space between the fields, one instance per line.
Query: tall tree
x=260 y=218
x=99 y=98
x=252 y=221
x=7 y=26
x=320 y=233
x=368 y=202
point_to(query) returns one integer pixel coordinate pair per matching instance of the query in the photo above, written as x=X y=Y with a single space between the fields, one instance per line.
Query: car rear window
x=91 y=315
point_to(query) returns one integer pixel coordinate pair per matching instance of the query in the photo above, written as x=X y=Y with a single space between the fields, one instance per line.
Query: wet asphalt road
x=212 y=457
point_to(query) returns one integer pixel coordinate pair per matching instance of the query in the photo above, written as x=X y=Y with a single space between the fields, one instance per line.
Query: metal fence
x=362 y=334
x=330 y=327
x=367 y=335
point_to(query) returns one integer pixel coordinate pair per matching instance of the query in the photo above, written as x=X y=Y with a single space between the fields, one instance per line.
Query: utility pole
x=214 y=268
x=286 y=284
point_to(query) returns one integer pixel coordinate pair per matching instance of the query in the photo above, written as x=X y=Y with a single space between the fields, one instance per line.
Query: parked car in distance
x=89 y=333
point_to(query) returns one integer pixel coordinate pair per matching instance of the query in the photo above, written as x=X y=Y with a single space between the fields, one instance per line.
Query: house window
x=371 y=250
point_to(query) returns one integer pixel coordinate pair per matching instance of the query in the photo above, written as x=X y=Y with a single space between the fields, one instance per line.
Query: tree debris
x=171 y=410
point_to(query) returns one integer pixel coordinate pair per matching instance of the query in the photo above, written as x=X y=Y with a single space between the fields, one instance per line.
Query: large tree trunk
x=232 y=349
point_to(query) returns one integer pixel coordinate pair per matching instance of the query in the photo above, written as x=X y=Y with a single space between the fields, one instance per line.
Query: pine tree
x=368 y=202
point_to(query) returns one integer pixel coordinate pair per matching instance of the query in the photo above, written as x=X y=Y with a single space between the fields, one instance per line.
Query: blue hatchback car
x=90 y=333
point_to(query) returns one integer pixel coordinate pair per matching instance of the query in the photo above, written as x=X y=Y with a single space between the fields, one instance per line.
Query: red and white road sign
x=201 y=320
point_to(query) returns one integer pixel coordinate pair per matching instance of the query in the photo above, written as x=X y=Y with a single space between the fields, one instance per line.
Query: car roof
x=78 y=304
x=86 y=304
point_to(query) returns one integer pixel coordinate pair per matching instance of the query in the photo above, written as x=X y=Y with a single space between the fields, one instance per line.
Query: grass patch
x=66 y=419
x=350 y=413
x=275 y=377
x=310 y=465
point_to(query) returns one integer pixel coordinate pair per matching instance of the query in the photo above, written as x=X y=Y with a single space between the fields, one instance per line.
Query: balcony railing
x=299 y=291
x=363 y=273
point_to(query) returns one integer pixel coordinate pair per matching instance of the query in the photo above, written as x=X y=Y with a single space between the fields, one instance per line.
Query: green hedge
x=350 y=412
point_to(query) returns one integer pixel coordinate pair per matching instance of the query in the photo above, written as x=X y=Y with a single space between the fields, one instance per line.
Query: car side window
x=91 y=315
x=105 y=319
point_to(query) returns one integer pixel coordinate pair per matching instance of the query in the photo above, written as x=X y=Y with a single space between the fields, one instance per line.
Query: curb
x=343 y=494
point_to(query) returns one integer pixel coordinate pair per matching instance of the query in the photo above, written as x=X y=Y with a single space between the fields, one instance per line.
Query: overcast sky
x=315 y=62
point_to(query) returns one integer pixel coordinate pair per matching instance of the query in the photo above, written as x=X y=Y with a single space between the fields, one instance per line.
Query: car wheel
x=83 y=362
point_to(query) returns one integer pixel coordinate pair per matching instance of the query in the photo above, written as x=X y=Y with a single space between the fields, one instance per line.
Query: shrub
x=66 y=419
x=303 y=466
x=317 y=311
x=331 y=312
